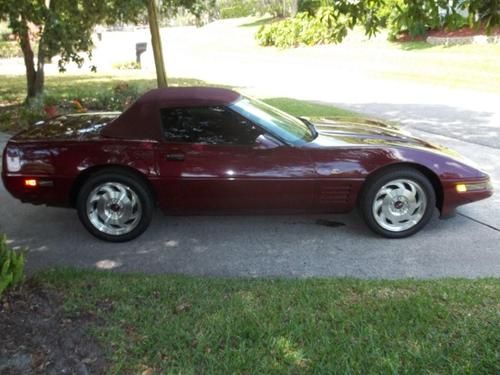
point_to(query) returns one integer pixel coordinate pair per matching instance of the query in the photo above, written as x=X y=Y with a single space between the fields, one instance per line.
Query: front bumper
x=459 y=192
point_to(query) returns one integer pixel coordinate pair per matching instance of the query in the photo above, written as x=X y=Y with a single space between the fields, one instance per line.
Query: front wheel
x=398 y=203
x=114 y=206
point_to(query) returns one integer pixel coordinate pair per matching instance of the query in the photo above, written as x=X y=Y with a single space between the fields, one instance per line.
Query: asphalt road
x=251 y=246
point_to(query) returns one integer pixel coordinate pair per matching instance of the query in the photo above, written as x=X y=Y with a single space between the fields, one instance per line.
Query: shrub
x=417 y=17
x=116 y=99
x=126 y=65
x=10 y=49
x=237 y=8
x=32 y=111
x=310 y=6
x=11 y=266
x=326 y=26
x=244 y=8
x=487 y=12
x=5 y=31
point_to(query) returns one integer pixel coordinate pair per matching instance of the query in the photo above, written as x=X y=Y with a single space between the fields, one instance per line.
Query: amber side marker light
x=30 y=183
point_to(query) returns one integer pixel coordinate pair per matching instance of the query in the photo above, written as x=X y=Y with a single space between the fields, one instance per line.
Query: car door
x=212 y=159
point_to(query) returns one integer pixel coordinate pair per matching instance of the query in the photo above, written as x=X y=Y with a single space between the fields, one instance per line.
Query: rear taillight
x=12 y=159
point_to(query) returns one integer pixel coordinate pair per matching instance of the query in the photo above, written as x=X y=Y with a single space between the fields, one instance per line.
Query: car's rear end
x=35 y=161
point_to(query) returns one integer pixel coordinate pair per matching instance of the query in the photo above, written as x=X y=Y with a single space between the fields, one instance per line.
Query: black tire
x=376 y=182
x=133 y=183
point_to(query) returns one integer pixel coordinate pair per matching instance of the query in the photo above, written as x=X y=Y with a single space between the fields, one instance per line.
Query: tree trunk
x=294 y=8
x=161 y=75
x=40 y=64
x=33 y=89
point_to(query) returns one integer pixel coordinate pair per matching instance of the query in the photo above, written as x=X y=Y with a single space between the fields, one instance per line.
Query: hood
x=339 y=132
x=334 y=133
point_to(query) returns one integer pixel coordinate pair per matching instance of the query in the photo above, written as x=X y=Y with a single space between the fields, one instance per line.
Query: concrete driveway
x=250 y=246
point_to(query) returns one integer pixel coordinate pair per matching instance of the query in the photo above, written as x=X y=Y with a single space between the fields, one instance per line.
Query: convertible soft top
x=142 y=119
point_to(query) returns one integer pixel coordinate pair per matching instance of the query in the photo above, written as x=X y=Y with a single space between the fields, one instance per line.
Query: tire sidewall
x=374 y=185
x=133 y=183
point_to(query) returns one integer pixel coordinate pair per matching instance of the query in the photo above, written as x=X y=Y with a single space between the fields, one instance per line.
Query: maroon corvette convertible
x=208 y=150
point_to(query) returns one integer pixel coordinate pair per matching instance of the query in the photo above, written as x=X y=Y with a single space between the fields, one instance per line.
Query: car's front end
x=458 y=180
x=462 y=191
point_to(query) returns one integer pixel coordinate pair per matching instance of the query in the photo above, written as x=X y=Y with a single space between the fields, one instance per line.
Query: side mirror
x=266 y=142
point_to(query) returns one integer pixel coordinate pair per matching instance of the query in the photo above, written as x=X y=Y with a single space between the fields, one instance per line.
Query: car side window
x=207 y=125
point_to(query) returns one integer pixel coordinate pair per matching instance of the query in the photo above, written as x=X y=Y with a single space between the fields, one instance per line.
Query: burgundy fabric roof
x=142 y=119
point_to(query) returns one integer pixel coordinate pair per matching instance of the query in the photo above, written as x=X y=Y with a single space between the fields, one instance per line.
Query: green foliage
x=5 y=31
x=94 y=98
x=198 y=8
x=127 y=65
x=237 y=8
x=244 y=8
x=11 y=266
x=10 y=49
x=33 y=110
x=115 y=99
x=328 y=25
x=417 y=17
x=485 y=12
x=64 y=28
x=413 y=17
x=309 y=6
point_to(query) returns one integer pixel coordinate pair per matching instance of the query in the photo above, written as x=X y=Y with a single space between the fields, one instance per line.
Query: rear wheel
x=115 y=206
x=398 y=203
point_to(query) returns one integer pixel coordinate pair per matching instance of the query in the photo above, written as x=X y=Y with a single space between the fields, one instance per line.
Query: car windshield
x=290 y=129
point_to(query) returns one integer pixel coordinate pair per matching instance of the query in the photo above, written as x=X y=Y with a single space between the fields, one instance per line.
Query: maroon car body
x=49 y=162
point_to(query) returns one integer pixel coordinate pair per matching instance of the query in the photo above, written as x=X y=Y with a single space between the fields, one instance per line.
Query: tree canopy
x=64 y=28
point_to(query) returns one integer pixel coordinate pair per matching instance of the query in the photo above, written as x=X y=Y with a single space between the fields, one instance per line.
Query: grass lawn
x=308 y=109
x=175 y=324
x=469 y=66
x=472 y=66
x=98 y=92
x=69 y=86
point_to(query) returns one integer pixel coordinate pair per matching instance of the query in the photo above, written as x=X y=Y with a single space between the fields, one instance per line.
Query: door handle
x=178 y=156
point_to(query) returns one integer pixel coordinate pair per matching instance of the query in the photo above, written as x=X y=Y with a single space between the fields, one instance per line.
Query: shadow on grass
x=13 y=88
x=416 y=45
x=262 y=21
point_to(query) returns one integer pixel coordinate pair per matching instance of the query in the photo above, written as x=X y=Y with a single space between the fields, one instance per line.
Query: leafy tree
x=485 y=12
x=417 y=17
x=64 y=28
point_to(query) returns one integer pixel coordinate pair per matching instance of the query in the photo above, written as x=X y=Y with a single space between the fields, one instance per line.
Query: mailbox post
x=140 y=48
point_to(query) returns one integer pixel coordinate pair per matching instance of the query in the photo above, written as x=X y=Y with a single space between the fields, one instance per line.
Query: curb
x=459 y=40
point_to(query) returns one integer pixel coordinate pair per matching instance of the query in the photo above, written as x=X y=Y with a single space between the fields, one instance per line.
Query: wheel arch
x=116 y=168
x=427 y=172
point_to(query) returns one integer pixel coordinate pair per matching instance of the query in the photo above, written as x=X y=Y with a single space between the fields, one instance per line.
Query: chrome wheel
x=399 y=205
x=114 y=208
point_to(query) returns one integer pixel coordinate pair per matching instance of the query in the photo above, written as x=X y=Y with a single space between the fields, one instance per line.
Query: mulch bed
x=38 y=337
